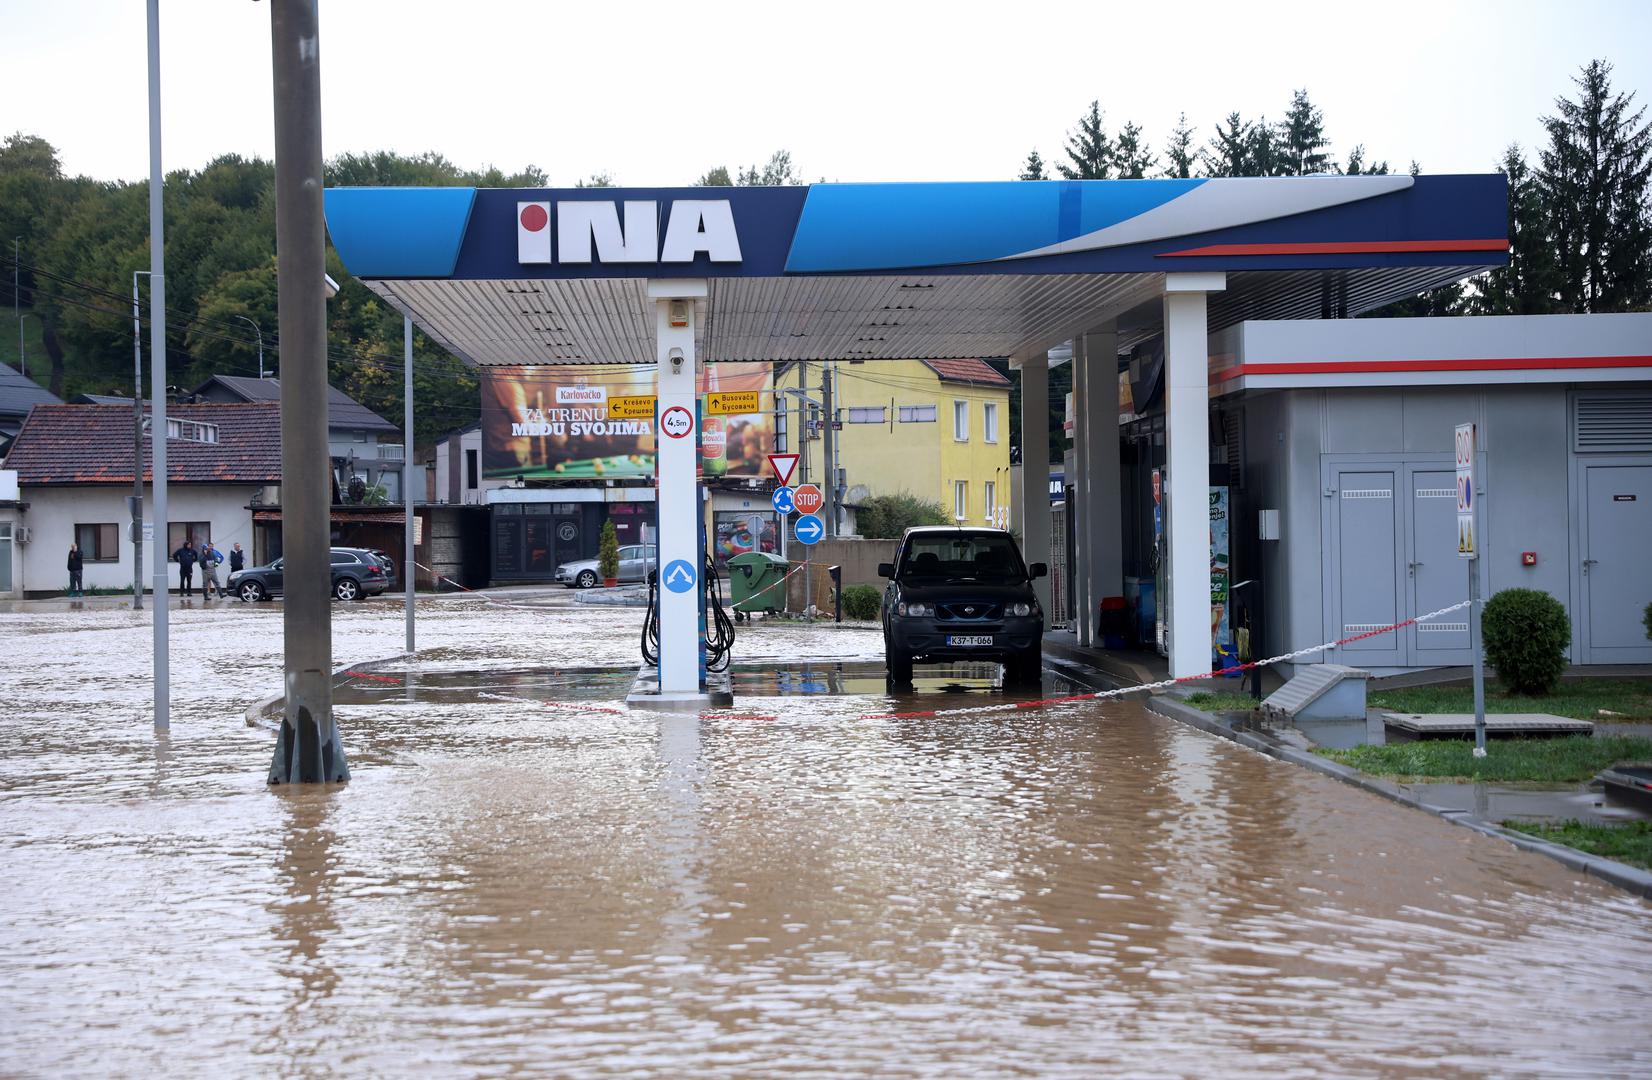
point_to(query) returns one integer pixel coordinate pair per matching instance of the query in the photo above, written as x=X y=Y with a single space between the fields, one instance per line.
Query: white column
x=1035 y=471
x=677 y=468
x=1105 y=554
x=1079 y=556
x=1187 y=438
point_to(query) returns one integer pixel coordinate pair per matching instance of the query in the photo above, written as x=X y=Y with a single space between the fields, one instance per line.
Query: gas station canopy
x=898 y=271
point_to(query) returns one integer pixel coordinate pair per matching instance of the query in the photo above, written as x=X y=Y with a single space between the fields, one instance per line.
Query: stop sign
x=808 y=499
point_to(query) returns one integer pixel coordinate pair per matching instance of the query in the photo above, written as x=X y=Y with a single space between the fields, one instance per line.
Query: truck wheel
x=900 y=668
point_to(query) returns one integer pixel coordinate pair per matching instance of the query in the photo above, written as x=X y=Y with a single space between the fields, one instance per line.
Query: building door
x=5 y=557
x=1617 y=576
x=1363 y=583
x=1435 y=576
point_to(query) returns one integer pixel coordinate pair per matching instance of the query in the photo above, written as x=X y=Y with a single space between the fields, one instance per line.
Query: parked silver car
x=635 y=560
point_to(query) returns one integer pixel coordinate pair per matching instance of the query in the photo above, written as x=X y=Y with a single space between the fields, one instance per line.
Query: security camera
x=676 y=356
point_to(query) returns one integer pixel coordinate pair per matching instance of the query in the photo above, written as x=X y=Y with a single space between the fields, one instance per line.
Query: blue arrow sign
x=783 y=501
x=679 y=576
x=809 y=529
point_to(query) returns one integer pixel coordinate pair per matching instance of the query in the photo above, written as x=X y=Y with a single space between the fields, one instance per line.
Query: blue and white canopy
x=925 y=271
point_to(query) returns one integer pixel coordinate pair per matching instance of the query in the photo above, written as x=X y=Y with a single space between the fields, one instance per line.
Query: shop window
x=98 y=543
x=196 y=532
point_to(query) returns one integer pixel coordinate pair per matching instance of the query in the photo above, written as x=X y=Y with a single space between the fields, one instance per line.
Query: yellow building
x=936 y=429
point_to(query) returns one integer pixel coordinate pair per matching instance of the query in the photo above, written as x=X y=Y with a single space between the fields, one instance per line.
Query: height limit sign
x=1466 y=548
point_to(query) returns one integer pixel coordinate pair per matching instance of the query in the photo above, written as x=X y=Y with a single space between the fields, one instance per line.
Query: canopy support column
x=1104 y=554
x=1187 y=439
x=681 y=562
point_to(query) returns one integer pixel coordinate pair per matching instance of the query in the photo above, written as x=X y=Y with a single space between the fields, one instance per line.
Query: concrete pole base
x=304 y=754
x=646 y=693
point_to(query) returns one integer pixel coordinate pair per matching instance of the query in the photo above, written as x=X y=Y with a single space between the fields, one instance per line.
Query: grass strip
x=1629 y=843
x=1571 y=759
x=1222 y=701
x=1580 y=699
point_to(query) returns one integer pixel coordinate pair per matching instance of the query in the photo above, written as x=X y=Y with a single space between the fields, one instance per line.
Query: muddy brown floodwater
x=511 y=885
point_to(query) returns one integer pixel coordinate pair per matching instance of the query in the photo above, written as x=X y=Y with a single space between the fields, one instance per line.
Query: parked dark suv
x=962 y=594
x=357 y=573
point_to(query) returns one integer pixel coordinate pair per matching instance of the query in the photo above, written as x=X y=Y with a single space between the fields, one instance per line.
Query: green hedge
x=861 y=602
x=1526 y=634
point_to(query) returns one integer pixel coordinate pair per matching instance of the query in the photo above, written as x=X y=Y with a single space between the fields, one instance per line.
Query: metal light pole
x=407 y=470
x=137 y=449
x=260 y=333
x=308 y=749
x=157 y=371
x=17 y=294
x=22 y=353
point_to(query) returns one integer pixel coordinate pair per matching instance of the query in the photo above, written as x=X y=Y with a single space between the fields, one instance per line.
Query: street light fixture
x=260 y=334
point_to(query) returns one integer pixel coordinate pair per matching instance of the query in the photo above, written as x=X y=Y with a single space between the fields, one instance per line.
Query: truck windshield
x=984 y=557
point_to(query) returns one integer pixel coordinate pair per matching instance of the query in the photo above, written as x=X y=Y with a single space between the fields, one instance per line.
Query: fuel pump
x=716 y=628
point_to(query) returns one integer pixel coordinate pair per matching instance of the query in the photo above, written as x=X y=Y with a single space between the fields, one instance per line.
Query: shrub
x=886 y=517
x=1646 y=620
x=608 y=552
x=1526 y=633
x=861 y=602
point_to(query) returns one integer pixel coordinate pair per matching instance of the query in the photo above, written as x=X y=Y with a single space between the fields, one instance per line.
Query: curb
x=1627 y=878
x=266 y=712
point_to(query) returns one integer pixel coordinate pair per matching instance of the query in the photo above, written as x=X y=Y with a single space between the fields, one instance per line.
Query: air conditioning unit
x=21 y=534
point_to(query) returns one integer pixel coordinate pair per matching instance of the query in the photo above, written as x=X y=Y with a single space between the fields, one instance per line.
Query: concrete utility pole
x=137 y=449
x=309 y=750
x=157 y=374
x=407 y=470
x=828 y=485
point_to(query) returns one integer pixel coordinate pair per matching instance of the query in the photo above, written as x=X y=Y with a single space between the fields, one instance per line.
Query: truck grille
x=969 y=611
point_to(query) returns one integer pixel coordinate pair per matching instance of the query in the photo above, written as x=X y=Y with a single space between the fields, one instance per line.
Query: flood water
x=517 y=883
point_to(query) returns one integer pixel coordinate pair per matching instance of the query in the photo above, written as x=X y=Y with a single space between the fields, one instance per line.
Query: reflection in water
x=1071 y=891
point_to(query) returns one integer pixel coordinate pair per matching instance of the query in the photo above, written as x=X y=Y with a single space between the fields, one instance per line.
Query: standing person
x=237 y=559
x=74 y=569
x=186 y=558
x=210 y=558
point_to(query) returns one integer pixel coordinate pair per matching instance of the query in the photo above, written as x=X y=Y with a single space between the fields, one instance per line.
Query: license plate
x=969 y=639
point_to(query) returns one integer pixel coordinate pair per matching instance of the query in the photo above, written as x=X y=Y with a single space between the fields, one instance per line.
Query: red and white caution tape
x=1162 y=684
x=574 y=706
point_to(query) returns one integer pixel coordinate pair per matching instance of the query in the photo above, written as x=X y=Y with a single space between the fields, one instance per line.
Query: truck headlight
x=914 y=610
x=1021 y=609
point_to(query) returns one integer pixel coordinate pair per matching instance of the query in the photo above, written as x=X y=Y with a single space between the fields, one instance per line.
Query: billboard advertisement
x=551 y=422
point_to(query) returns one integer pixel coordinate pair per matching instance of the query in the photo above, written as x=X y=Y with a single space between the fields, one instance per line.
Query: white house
x=73 y=465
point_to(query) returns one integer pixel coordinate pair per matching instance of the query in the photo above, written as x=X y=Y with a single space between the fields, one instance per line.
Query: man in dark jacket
x=237 y=559
x=75 y=563
x=186 y=558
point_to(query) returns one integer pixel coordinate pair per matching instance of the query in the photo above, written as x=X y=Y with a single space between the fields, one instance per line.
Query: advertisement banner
x=552 y=422
x=740 y=531
x=1221 y=631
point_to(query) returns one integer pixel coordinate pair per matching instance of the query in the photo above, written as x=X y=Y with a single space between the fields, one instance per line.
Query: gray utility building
x=353 y=432
x=1342 y=431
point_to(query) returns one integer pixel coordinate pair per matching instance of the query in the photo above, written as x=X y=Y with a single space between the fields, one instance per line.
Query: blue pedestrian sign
x=783 y=501
x=809 y=529
x=679 y=576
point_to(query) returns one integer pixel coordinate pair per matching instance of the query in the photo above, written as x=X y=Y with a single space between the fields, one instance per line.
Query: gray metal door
x=1436 y=577
x=1366 y=543
x=1617 y=576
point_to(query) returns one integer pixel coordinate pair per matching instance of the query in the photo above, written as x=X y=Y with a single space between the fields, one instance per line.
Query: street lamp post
x=17 y=293
x=22 y=354
x=260 y=334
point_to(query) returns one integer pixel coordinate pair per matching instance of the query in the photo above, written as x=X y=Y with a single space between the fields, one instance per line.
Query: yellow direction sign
x=634 y=407
x=732 y=402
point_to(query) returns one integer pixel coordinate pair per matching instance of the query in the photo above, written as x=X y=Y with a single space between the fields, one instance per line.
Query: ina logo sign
x=589 y=231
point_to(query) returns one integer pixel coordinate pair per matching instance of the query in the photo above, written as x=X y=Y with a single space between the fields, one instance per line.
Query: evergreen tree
x=1229 y=151
x=1301 y=139
x=1034 y=168
x=1266 y=151
x=1526 y=285
x=1178 y=152
x=718 y=177
x=1131 y=156
x=1357 y=167
x=1593 y=176
x=1089 y=150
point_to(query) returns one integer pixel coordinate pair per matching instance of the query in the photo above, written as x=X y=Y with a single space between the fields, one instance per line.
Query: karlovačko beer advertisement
x=545 y=422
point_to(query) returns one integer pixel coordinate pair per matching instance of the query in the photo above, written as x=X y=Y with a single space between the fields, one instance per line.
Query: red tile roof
x=978 y=372
x=92 y=444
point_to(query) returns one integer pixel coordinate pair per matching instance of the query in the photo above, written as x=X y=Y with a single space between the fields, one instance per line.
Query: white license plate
x=969 y=639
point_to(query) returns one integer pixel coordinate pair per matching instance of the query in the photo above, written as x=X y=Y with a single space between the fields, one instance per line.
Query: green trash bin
x=751 y=575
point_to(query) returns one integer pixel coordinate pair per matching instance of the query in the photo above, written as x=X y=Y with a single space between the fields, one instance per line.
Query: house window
x=960 y=421
x=471 y=468
x=989 y=498
x=989 y=422
x=98 y=543
x=196 y=532
x=191 y=431
x=916 y=414
x=868 y=414
x=960 y=499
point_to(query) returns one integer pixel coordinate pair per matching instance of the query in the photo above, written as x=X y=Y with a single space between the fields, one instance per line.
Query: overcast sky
x=657 y=94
